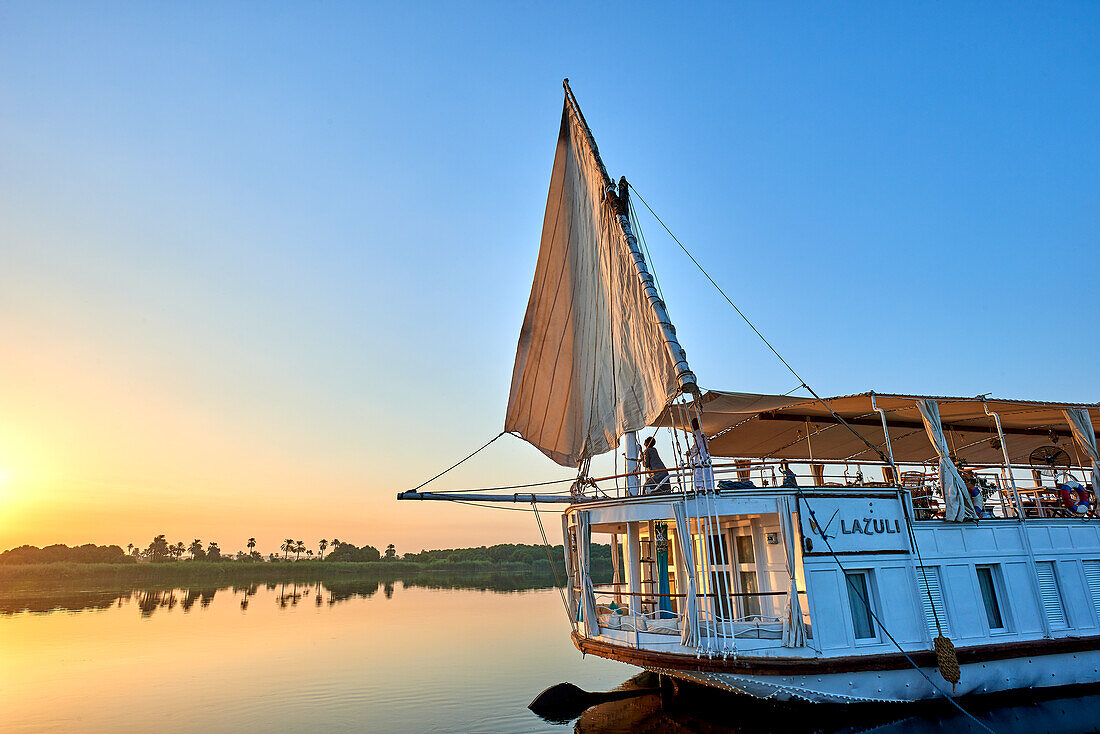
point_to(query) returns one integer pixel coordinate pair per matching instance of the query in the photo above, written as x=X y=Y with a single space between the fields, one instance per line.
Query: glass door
x=746 y=574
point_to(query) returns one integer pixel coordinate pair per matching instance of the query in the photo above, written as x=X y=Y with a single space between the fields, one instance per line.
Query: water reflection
x=706 y=711
x=148 y=600
x=377 y=655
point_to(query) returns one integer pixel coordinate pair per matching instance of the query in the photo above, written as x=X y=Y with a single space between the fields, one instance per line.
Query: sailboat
x=861 y=548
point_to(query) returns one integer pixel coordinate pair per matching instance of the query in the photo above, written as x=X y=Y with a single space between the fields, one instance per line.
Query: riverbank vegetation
x=61 y=565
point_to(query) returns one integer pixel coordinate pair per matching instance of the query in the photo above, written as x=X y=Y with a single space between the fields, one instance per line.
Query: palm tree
x=159 y=549
x=251 y=544
x=299 y=548
x=195 y=548
x=322 y=545
x=309 y=553
x=286 y=547
x=129 y=549
x=179 y=549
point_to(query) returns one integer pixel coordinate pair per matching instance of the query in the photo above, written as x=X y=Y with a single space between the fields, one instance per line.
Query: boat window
x=859 y=599
x=745 y=553
x=989 y=596
x=751 y=604
x=719 y=549
x=720 y=583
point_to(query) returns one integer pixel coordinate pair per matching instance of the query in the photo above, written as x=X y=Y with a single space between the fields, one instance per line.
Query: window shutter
x=931 y=587
x=1092 y=577
x=1048 y=594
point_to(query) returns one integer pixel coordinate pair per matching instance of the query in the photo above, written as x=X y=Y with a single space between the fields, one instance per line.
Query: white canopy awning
x=777 y=426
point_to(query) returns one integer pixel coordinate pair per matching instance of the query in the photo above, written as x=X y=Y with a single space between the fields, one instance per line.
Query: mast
x=617 y=198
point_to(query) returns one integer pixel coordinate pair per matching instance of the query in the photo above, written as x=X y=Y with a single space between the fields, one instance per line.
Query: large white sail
x=597 y=356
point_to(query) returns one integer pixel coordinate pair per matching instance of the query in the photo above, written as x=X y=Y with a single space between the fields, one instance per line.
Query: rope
x=558 y=583
x=949 y=655
x=474 y=503
x=645 y=247
x=510 y=487
x=452 y=466
x=740 y=313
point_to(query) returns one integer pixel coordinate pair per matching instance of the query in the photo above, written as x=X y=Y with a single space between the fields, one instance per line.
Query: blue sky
x=308 y=231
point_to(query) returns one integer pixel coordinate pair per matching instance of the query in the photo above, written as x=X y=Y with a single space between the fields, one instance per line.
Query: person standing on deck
x=657 y=481
x=699 y=459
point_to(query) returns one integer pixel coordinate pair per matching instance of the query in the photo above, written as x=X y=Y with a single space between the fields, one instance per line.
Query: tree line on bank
x=162 y=551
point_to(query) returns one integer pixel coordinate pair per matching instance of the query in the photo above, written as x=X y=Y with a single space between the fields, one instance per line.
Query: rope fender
x=946 y=660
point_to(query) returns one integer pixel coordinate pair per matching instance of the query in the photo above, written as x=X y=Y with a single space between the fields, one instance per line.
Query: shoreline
x=15 y=576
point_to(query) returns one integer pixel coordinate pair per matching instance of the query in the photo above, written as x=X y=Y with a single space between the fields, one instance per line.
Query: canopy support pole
x=886 y=433
x=1034 y=575
x=1008 y=463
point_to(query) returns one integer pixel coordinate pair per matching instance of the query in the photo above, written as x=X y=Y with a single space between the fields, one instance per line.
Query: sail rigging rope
x=752 y=326
x=558 y=583
x=461 y=461
x=512 y=487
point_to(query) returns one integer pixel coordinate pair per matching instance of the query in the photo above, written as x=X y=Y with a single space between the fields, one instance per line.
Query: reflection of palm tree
x=322 y=545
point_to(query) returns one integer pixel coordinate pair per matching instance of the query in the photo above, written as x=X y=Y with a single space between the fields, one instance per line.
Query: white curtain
x=689 y=632
x=616 y=564
x=569 y=571
x=588 y=593
x=1081 y=425
x=794 y=633
x=956 y=497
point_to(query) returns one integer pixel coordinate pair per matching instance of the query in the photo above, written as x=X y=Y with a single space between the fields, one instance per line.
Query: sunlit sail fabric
x=592 y=362
x=956 y=497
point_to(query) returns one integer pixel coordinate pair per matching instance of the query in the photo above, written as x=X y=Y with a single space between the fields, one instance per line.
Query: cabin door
x=664 y=591
x=720 y=559
x=747 y=583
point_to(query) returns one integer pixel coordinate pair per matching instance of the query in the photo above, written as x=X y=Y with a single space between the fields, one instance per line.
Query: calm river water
x=363 y=657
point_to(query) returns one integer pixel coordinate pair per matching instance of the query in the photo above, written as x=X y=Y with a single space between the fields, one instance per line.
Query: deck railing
x=1039 y=491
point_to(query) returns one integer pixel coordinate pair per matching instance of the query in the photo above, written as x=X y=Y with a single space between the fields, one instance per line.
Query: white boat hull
x=874 y=678
x=898 y=686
